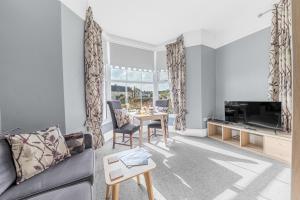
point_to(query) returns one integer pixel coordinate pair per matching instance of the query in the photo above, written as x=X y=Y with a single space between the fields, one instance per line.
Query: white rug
x=202 y=169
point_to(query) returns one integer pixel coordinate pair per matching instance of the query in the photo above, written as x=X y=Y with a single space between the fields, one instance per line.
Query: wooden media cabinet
x=264 y=141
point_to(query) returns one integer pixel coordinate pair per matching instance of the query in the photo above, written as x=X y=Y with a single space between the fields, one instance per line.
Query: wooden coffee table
x=128 y=173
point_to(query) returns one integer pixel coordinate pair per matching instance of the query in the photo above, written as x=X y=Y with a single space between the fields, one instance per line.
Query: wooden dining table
x=152 y=116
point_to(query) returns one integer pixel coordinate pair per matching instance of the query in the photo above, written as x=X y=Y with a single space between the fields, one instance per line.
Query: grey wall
x=125 y=56
x=242 y=70
x=72 y=27
x=208 y=83
x=200 y=85
x=0 y=120
x=31 y=78
x=161 y=60
x=193 y=86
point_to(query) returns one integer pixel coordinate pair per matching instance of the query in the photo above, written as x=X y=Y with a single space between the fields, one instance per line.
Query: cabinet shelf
x=258 y=141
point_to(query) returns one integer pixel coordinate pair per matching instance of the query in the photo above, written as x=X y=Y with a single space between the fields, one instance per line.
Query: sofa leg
x=131 y=140
x=114 y=139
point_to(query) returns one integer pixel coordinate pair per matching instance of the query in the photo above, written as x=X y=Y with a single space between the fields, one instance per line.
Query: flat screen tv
x=262 y=114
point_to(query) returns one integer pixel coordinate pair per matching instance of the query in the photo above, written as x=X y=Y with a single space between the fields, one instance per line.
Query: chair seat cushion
x=155 y=124
x=75 y=169
x=127 y=129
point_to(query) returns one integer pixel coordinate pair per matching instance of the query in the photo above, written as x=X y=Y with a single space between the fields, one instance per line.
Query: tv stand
x=262 y=141
x=250 y=128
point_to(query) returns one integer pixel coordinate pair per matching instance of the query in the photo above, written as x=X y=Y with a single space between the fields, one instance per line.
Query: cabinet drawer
x=278 y=148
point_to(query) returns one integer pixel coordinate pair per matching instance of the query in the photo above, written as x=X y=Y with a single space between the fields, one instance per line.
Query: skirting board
x=193 y=132
x=187 y=132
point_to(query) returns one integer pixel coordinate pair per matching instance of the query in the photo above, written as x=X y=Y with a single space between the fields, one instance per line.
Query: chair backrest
x=114 y=104
x=162 y=103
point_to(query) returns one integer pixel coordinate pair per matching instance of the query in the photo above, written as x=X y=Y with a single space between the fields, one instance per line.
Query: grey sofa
x=70 y=179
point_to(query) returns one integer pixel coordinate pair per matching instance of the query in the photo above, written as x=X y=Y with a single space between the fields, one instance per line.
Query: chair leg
x=114 y=139
x=123 y=139
x=131 y=140
x=155 y=132
x=167 y=128
x=149 y=134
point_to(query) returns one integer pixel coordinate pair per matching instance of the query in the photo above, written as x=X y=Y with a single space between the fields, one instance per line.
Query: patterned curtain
x=280 y=68
x=94 y=70
x=177 y=73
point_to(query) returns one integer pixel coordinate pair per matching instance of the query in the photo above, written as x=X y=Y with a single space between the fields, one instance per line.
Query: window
x=133 y=87
x=147 y=94
x=163 y=85
x=118 y=92
x=134 y=95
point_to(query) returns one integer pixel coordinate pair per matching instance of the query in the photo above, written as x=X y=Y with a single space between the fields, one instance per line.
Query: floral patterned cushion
x=122 y=117
x=36 y=152
x=75 y=142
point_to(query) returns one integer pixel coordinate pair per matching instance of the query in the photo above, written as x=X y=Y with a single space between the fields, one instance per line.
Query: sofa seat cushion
x=77 y=168
x=7 y=168
x=81 y=191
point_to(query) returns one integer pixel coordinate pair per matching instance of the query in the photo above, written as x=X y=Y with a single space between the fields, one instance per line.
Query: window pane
x=134 y=95
x=147 y=76
x=147 y=95
x=164 y=90
x=118 y=92
x=118 y=74
x=163 y=75
x=134 y=75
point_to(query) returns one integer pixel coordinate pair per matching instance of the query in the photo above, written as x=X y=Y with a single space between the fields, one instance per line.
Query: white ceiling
x=157 y=21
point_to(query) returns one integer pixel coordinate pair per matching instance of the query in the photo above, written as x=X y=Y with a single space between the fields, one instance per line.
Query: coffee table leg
x=138 y=180
x=107 y=195
x=141 y=133
x=149 y=185
x=115 y=191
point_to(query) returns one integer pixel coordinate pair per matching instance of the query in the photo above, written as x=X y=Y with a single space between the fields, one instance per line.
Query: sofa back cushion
x=7 y=168
x=35 y=152
x=75 y=142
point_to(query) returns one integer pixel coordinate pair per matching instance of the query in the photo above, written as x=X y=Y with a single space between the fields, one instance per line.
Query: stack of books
x=135 y=157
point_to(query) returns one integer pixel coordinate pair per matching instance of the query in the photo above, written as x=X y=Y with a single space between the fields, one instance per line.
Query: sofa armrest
x=88 y=140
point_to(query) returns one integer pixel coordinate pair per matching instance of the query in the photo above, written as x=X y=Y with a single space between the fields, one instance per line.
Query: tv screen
x=263 y=114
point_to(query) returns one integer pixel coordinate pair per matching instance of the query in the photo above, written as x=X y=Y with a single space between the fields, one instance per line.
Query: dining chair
x=127 y=129
x=156 y=124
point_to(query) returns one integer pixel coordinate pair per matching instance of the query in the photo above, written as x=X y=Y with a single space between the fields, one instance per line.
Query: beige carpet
x=202 y=169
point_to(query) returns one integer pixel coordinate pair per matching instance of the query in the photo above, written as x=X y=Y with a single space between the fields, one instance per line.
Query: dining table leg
x=162 y=121
x=141 y=133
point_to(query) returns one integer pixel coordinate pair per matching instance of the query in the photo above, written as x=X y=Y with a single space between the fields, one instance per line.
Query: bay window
x=132 y=86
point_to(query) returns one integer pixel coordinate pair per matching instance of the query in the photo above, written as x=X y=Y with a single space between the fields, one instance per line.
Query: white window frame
x=131 y=82
x=108 y=81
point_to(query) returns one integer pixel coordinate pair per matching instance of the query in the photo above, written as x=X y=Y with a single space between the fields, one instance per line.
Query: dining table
x=143 y=117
